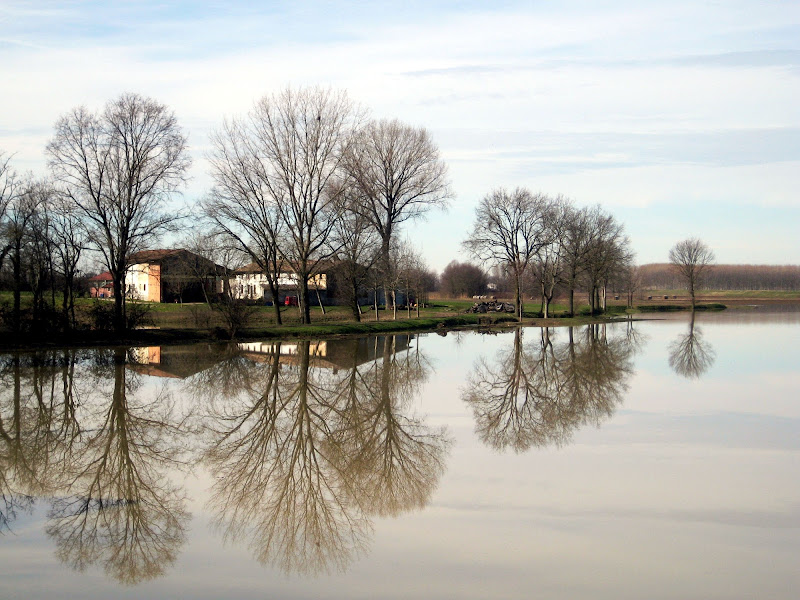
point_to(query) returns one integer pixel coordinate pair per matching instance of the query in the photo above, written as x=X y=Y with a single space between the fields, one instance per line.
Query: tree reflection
x=38 y=427
x=690 y=355
x=302 y=455
x=537 y=394
x=394 y=457
x=120 y=509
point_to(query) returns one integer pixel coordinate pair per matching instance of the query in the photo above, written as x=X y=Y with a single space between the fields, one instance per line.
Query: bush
x=236 y=314
x=137 y=315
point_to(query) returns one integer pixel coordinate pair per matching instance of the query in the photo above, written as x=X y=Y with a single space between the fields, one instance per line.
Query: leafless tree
x=608 y=253
x=691 y=258
x=120 y=167
x=299 y=139
x=400 y=176
x=11 y=186
x=549 y=260
x=69 y=242
x=576 y=250
x=242 y=205
x=356 y=242
x=20 y=213
x=509 y=230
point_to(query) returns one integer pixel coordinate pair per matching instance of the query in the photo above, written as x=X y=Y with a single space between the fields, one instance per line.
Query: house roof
x=249 y=268
x=104 y=276
x=253 y=267
x=144 y=256
x=154 y=256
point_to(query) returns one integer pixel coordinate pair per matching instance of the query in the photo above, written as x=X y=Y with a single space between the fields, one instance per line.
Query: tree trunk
x=305 y=317
x=119 y=303
x=15 y=261
x=276 y=305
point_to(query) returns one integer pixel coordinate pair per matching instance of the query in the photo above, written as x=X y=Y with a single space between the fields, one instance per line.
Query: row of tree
x=301 y=182
x=548 y=244
x=726 y=277
x=303 y=179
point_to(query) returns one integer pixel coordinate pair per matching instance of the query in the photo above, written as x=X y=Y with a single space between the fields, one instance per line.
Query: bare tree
x=508 y=231
x=355 y=240
x=300 y=138
x=11 y=186
x=241 y=205
x=69 y=242
x=608 y=253
x=576 y=250
x=400 y=176
x=549 y=260
x=20 y=213
x=120 y=167
x=691 y=258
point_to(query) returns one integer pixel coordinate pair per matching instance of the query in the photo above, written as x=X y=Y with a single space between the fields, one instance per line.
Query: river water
x=648 y=459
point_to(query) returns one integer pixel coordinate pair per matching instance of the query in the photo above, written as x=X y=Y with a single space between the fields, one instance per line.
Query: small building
x=101 y=286
x=250 y=283
x=172 y=275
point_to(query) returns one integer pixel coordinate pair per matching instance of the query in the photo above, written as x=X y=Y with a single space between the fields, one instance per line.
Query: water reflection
x=302 y=456
x=538 y=393
x=690 y=355
x=101 y=453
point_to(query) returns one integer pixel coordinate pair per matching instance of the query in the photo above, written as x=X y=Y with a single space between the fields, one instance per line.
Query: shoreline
x=464 y=322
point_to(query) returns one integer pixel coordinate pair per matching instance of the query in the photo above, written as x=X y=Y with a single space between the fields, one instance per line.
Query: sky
x=680 y=118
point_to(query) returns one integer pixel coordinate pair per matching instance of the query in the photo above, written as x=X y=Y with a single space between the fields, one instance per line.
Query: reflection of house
x=250 y=283
x=329 y=354
x=101 y=286
x=172 y=275
x=175 y=361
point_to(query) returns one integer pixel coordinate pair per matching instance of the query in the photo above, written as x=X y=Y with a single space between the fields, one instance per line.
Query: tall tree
x=549 y=260
x=300 y=138
x=11 y=186
x=400 y=176
x=691 y=258
x=120 y=167
x=241 y=204
x=608 y=253
x=69 y=242
x=509 y=230
x=356 y=243
x=20 y=214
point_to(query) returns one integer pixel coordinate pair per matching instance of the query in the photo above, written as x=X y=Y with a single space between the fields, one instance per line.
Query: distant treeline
x=726 y=277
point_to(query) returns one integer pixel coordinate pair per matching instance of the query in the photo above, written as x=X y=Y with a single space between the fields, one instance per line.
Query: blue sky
x=680 y=118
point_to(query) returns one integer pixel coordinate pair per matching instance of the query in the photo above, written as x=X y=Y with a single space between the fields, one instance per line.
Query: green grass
x=681 y=307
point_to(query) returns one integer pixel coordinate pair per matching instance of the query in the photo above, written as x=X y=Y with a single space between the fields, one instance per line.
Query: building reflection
x=536 y=393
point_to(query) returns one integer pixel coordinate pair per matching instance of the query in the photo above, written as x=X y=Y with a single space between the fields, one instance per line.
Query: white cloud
x=629 y=104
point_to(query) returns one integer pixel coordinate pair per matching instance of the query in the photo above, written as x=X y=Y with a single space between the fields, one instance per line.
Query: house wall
x=143 y=282
x=253 y=286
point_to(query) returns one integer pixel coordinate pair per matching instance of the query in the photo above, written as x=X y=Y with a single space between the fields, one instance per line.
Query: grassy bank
x=183 y=323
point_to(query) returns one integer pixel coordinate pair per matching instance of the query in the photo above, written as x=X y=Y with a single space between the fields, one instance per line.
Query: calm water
x=659 y=459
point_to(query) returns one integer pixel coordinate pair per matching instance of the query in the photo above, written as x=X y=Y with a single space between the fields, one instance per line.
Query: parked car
x=291 y=301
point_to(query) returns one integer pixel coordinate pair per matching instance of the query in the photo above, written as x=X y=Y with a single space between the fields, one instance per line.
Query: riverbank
x=451 y=317
x=192 y=323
